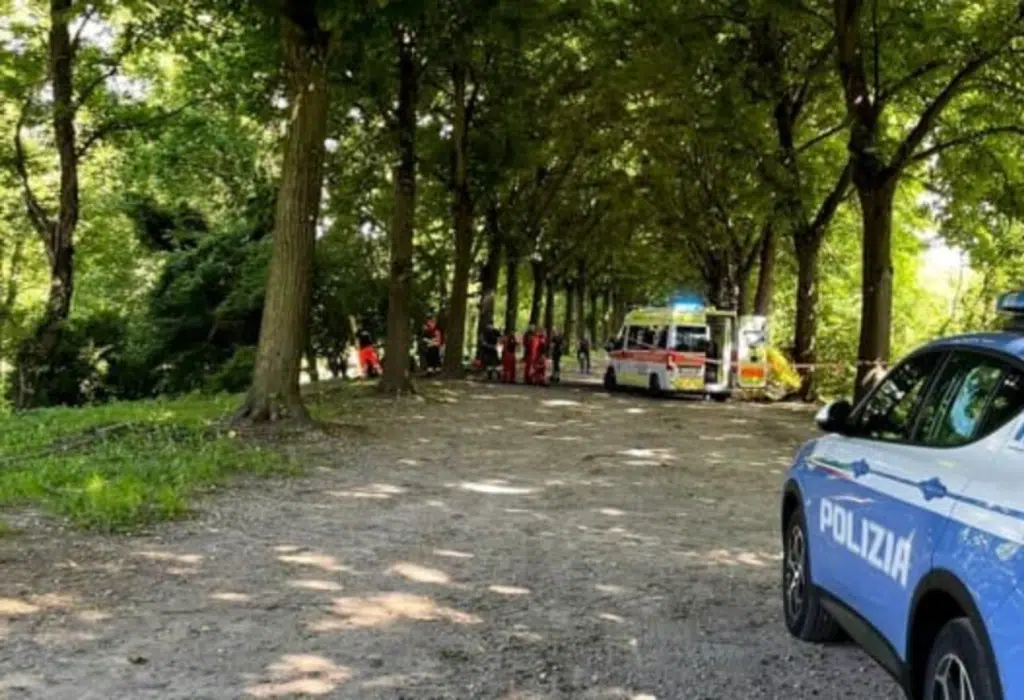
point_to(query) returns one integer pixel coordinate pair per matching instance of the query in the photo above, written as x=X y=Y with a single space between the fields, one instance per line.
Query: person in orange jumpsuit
x=508 y=357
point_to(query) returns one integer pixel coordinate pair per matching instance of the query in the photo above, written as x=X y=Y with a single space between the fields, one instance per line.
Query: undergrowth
x=119 y=466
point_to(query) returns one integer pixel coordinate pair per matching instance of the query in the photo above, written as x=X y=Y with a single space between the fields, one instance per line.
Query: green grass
x=119 y=466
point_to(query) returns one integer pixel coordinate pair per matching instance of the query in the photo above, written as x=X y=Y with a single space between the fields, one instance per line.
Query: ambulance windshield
x=691 y=339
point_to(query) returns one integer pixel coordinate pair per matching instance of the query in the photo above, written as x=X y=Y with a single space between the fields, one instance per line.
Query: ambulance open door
x=752 y=352
x=722 y=329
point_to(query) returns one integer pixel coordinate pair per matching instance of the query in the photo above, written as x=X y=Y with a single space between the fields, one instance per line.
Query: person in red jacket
x=540 y=358
x=529 y=348
x=369 y=362
x=508 y=357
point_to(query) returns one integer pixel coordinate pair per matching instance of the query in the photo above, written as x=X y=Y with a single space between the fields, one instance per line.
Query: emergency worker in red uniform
x=529 y=348
x=369 y=362
x=540 y=358
x=508 y=357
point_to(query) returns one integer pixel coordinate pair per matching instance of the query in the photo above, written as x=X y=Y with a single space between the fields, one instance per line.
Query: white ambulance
x=688 y=349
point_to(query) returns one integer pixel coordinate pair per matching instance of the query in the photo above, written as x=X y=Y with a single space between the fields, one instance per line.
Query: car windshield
x=691 y=339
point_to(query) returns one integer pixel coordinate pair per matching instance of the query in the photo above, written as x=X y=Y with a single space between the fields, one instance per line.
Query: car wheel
x=959 y=667
x=609 y=379
x=806 y=619
x=654 y=386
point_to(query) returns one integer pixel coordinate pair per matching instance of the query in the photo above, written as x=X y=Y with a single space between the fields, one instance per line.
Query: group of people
x=537 y=347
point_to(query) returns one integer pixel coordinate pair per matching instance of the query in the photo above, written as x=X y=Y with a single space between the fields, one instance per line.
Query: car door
x=859 y=483
x=984 y=544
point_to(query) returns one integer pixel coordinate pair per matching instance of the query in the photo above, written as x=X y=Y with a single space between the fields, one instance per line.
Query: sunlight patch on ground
x=92 y=616
x=300 y=674
x=509 y=590
x=409 y=462
x=312 y=584
x=636 y=411
x=388 y=608
x=452 y=554
x=324 y=562
x=649 y=453
x=641 y=463
x=609 y=588
x=611 y=617
x=186 y=559
x=11 y=607
x=613 y=512
x=495 y=489
x=420 y=574
x=725 y=557
x=230 y=597
x=379 y=492
x=559 y=403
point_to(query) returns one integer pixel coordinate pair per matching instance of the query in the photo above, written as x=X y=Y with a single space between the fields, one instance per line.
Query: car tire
x=805 y=617
x=610 y=382
x=958 y=656
x=654 y=386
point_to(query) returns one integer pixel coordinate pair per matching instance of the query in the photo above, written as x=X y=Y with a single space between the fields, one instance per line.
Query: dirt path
x=503 y=543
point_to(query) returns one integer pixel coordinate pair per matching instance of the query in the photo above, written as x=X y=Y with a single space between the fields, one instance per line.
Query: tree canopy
x=213 y=194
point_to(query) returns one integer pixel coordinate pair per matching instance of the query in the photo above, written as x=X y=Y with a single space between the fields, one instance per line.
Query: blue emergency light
x=1011 y=303
x=687 y=301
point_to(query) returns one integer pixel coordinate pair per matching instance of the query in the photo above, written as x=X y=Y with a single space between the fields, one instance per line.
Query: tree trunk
x=462 y=210
x=38 y=351
x=489 y=274
x=311 y=367
x=395 y=377
x=592 y=318
x=876 y=201
x=549 y=307
x=743 y=293
x=11 y=288
x=570 y=313
x=606 y=316
x=581 y=297
x=511 y=289
x=274 y=393
x=806 y=327
x=766 y=273
x=620 y=309
x=539 y=275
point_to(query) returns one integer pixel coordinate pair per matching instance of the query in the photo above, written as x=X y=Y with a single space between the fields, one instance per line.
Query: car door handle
x=933 y=489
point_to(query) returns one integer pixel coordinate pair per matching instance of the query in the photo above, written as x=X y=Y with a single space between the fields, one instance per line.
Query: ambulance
x=689 y=349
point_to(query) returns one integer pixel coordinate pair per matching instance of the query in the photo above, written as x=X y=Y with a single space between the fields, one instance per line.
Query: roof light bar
x=1011 y=303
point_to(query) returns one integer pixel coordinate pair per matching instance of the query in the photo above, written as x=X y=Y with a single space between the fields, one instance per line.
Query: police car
x=903 y=524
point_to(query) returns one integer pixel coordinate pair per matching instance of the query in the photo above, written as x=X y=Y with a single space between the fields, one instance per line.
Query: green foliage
x=123 y=465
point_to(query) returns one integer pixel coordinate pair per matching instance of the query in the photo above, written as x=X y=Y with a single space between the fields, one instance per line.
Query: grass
x=120 y=466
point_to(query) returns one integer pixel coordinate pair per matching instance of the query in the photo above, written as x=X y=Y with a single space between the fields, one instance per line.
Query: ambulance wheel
x=610 y=382
x=959 y=666
x=806 y=619
x=720 y=398
x=654 y=386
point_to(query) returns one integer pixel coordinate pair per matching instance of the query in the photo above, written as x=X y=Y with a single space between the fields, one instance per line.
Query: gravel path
x=495 y=543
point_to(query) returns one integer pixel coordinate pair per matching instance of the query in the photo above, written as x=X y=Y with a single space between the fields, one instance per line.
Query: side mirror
x=833 y=417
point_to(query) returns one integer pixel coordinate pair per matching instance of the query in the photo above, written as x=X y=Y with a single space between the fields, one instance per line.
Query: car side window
x=1006 y=404
x=888 y=414
x=957 y=405
x=635 y=336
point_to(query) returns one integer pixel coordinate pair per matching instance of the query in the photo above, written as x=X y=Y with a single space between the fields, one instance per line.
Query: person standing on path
x=489 y=351
x=540 y=358
x=583 y=354
x=508 y=357
x=528 y=349
x=556 y=346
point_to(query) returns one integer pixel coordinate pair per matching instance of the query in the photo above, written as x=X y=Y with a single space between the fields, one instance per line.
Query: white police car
x=903 y=526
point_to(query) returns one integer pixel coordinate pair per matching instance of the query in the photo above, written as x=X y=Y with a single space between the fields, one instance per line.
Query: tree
x=274 y=393
x=880 y=158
